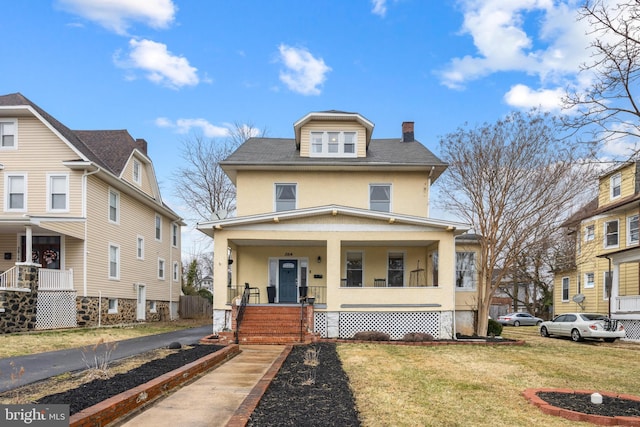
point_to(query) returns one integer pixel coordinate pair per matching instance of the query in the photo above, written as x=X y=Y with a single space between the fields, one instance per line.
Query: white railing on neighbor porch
x=58 y=280
x=9 y=278
x=628 y=303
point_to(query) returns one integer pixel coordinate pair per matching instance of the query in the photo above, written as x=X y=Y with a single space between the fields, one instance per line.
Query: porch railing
x=9 y=278
x=319 y=292
x=243 y=305
x=628 y=303
x=58 y=280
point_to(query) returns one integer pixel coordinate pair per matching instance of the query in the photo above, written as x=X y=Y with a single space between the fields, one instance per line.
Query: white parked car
x=583 y=325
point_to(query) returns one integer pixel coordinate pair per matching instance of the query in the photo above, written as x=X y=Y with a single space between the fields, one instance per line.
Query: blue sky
x=166 y=69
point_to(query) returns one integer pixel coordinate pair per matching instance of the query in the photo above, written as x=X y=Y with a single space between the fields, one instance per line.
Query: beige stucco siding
x=256 y=190
x=305 y=135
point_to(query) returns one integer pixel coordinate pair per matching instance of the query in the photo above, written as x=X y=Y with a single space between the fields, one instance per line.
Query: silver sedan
x=519 y=319
x=579 y=326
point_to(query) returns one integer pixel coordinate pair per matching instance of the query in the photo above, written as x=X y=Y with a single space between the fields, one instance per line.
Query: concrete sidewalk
x=213 y=399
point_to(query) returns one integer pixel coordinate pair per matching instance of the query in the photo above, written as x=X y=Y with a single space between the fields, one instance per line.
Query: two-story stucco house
x=336 y=214
x=82 y=211
x=607 y=236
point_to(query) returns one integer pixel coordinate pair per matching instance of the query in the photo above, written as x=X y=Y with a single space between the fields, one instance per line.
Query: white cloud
x=184 y=126
x=304 y=73
x=117 y=15
x=160 y=65
x=524 y=97
x=379 y=7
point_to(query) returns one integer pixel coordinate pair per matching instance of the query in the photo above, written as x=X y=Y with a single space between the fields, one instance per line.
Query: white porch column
x=615 y=288
x=29 y=244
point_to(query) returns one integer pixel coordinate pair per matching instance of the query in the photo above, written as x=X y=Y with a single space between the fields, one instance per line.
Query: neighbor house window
x=589 y=280
x=380 y=197
x=395 y=269
x=58 y=190
x=140 y=247
x=161 y=268
x=174 y=235
x=153 y=307
x=136 y=172
x=16 y=199
x=8 y=135
x=565 y=289
x=354 y=269
x=113 y=305
x=465 y=270
x=606 y=289
x=611 y=234
x=114 y=206
x=285 y=197
x=589 y=233
x=158 y=227
x=632 y=230
x=333 y=144
x=615 y=183
x=176 y=271
x=114 y=262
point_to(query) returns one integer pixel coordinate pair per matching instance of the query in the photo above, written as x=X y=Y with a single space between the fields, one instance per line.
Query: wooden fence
x=194 y=306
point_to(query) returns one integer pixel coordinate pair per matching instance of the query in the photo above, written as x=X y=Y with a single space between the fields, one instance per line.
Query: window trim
x=113 y=310
x=562 y=288
x=25 y=193
x=606 y=235
x=612 y=186
x=176 y=270
x=140 y=247
x=50 y=178
x=158 y=228
x=382 y=184
x=474 y=272
x=14 y=122
x=589 y=284
x=346 y=269
x=163 y=270
x=629 y=218
x=324 y=152
x=136 y=172
x=153 y=306
x=117 y=262
x=275 y=195
x=589 y=236
x=116 y=193
x=174 y=234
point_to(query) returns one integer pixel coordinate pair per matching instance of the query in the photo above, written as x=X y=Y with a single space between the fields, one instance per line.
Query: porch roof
x=209 y=227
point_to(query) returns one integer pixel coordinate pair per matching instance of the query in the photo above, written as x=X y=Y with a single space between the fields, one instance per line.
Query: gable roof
x=112 y=147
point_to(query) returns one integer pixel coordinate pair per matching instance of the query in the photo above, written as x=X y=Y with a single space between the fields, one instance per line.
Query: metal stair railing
x=241 y=309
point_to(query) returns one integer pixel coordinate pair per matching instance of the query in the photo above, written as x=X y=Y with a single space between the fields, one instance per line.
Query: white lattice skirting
x=632 y=327
x=56 y=309
x=396 y=324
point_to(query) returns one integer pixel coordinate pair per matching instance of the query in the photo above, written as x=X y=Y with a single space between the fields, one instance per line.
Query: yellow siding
x=627 y=187
x=361 y=150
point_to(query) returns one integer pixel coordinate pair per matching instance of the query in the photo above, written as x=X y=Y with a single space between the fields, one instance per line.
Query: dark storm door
x=288 y=283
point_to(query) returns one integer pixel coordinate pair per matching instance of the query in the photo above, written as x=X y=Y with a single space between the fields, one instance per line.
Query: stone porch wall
x=18 y=307
x=91 y=314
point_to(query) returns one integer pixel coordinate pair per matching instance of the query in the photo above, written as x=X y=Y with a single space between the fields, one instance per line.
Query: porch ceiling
x=387 y=243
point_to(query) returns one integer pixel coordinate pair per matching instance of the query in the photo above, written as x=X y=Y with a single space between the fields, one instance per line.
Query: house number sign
x=288 y=254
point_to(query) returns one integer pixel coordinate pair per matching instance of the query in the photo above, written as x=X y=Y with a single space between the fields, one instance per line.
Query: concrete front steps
x=272 y=324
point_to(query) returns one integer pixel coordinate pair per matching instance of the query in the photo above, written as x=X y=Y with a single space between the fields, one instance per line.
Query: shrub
x=417 y=337
x=494 y=328
x=371 y=336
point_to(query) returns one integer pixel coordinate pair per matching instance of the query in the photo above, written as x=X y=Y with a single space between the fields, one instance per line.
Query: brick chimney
x=142 y=145
x=407 y=132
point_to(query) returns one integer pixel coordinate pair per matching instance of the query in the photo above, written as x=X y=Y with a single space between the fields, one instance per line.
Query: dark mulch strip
x=289 y=402
x=96 y=391
x=610 y=406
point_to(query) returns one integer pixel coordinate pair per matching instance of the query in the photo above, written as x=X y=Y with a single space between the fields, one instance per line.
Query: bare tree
x=202 y=185
x=608 y=108
x=513 y=181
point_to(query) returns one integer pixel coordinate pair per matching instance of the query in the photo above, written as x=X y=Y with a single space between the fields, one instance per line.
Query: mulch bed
x=293 y=399
x=610 y=406
x=96 y=391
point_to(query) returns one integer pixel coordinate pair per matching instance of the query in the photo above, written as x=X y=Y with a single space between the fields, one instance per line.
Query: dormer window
x=333 y=144
x=616 y=182
x=136 y=172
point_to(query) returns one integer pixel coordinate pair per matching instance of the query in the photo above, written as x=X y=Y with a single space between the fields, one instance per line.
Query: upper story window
x=615 y=183
x=380 y=197
x=58 y=190
x=589 y=233
x=589 y=280
x=158 y=227
x=161 y=268
x=632 y=230
x=565 y=289
x=333 y=144
x=16 y=195
x=285 y=197
x=137 y=176
x=174 y=235
x=114 y=262
x=140 y=247
x=611 y=234
x=8 y=134
x=176 y=271
x=465 y=270
x=114 y=206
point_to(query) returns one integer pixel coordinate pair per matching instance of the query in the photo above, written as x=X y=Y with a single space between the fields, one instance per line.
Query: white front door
x=142 y=303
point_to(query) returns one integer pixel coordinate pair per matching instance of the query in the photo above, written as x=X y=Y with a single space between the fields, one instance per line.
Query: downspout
x=171 y=264
x=84 y=215
x=453 y=332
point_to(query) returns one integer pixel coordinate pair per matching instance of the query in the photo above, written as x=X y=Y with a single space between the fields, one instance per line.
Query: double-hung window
x=565 y=289
x=285 y=197
x=465 y=270
x=161 y=268
x=114 y=206
x=114 y=262
x=589 y=280
x=137 y=177
x=158 y=227
x=174 y=235
x=16 y=191
x=380 y=197
x=354 y=269
x=176 y=271
x=589 y=233
x=632 y=230
x=611 y=235
x=140 y=247
x=615 y=183
x=58 y=190
x=333 y=144
x=395 y=270
x=8 y=135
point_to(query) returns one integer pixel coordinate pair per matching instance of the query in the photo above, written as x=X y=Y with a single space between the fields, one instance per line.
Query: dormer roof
x=333 y=116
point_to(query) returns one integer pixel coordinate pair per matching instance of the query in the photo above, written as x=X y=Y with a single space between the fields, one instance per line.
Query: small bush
x=417 y=337
x=494 y=328
x=371 y=336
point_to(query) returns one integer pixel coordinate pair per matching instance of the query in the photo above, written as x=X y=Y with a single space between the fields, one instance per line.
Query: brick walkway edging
x=531 y=394
x=126 y=402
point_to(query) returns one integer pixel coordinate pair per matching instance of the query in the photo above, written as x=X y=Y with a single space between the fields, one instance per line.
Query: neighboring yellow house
x=82 y=208
x=607 y=236
x=343 y=217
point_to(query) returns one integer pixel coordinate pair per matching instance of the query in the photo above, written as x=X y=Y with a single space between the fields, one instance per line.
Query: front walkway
x=213 y=399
